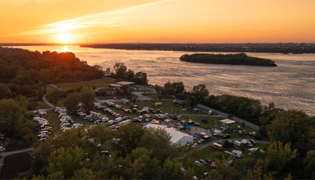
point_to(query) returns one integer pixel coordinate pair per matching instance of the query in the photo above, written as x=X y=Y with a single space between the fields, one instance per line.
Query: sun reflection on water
x=65 y=49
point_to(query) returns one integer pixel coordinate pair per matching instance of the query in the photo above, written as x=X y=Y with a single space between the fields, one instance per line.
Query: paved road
x=141 y=97
x=54 y=86
x=48 y=103
x=149 y=89
x=4 y=154
x=239 y=120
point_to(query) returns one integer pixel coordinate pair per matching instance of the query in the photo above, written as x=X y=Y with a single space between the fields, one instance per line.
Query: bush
x=258 y=136
x=226 y=144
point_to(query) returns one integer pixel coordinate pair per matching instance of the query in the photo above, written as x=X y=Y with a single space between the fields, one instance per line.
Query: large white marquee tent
x=177 y=137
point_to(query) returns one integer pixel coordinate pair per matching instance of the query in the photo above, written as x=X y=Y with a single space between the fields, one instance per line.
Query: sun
x=65 y=37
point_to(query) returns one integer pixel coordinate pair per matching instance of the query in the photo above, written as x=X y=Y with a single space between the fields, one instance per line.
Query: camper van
x=237 y=143
x=237 y=153
x=118 y=119
x=216 y=146
x=110 y=123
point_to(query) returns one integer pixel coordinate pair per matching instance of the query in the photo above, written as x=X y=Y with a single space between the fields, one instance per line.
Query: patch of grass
x=94 y=83
x=42 y=105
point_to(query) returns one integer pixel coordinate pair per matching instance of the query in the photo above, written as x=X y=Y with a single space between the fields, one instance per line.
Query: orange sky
x=157 y=21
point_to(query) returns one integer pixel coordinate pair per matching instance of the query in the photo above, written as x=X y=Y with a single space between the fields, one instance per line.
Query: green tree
x=84 y=174
x=179 y=87
x=11 y=116
x=309 y=163
x=66 y=160
x=192 y=101
x=130 y=136
x=120 y=70
x=44 y=75
x=87 y=98
x=72 y=102
x=5 y=91
x=277 y=156
x=200 y=92
x=54 y=97
x=292 y=127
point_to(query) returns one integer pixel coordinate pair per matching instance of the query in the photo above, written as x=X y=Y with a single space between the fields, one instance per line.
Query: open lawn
x=42 y=105
x=94 y=83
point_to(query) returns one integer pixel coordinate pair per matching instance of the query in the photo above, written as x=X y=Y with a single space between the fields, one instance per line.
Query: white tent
x=177 y=137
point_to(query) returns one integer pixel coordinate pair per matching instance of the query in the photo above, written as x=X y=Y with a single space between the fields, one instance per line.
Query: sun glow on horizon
x=65 y=37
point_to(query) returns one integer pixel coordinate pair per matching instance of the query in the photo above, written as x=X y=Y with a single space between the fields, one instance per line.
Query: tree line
x=232 y=59
x=25 y=72
x=121 y=73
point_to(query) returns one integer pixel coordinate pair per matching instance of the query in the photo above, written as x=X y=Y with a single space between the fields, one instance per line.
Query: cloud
x=105 y=19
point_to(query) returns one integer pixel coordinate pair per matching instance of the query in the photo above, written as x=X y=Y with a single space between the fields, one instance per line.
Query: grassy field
x=94 y=83
x=42 y=105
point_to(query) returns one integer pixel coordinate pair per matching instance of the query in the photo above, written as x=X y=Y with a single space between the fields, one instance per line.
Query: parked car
x=197 y=163
x=202 y=161
x=201 y=141
x=237 y=143
x=252 y=141
x=240 y=132
x=194 y=145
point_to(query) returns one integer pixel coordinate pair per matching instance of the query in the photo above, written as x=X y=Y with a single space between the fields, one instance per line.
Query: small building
x=114 y=86
x=177 y=137
x=228 y=123
x=180 y=102
x=125 y=83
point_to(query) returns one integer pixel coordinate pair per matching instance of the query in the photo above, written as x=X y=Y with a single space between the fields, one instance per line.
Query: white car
x=210 y=112
x=197 y=163
x=194 y=145
x=2 y=149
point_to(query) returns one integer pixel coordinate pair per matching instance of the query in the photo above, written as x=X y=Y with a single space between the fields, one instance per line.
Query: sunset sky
x=157 y=21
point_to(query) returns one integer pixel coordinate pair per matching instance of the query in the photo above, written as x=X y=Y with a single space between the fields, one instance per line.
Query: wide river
x=290 y=85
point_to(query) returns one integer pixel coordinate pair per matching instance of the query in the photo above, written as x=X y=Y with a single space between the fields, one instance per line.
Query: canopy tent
x=177 y=137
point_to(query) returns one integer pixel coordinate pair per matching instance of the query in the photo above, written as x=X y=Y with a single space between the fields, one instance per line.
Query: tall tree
x=278 y=155
x=292 y=127
x=72 y=102
x=54 y=97
x=200 y=92
x=87 y=98
x=120 y=69
x=179 y=87
x=66 y=161
x=5 y=91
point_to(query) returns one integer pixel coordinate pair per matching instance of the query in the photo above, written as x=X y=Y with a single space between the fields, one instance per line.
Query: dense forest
x=231 y=59
x=295 y=48
x=24 y=72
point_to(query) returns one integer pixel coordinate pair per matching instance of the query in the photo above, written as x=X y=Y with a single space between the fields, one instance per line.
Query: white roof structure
x=125 y=83
x=176 y=137
x=227 y=121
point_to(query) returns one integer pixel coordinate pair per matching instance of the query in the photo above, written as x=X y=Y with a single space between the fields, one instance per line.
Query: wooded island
x=232 y=59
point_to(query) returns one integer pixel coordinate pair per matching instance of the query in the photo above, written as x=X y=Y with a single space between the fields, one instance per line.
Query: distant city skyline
x=157 y=21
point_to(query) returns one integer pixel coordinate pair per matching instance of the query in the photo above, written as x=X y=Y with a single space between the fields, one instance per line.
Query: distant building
x=120 y=84
x=228 y=123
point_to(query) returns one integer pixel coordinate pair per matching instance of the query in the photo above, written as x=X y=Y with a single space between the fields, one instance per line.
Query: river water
x=290 y=85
